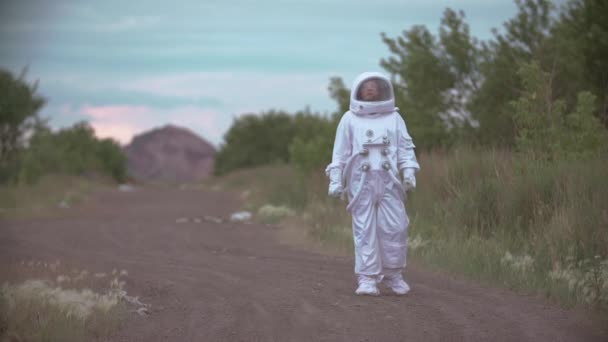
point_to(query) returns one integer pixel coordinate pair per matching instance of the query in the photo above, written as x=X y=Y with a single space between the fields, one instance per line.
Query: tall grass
x=486 y=211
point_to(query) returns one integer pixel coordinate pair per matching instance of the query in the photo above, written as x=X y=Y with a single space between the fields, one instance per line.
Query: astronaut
x=371 y=151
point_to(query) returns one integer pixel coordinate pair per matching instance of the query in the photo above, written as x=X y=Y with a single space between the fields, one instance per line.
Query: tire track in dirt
x=234 y=282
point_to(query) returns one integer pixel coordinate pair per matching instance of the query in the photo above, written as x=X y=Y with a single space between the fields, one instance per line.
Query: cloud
x=128 y=23
x=69 y=16
x=117 y=122
x=121 y=132
x=113 y=112
x=254 y=90
x=95 y=90
x=122 y=122
x=207 y=102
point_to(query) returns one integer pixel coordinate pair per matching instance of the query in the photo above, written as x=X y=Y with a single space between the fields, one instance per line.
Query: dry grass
x=38 y=311
x=50 y=301
x=50 y=196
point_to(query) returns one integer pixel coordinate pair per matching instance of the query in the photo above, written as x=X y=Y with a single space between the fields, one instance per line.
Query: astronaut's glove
x=335 y=183
x=409 y=179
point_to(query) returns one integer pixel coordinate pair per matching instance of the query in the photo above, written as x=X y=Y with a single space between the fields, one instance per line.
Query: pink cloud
x=113 y=112
x=120 y=132
x=122 y=122
x=119 y=122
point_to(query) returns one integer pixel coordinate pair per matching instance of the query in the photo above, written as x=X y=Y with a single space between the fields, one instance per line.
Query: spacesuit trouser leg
x=391 y=229
x=368 y=260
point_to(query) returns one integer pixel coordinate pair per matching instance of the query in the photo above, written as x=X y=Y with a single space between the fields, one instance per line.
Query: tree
x=339 y=93
x=19 y=106
x=581 y=39
x=419 y=78
x=525 y=39
x=434 y=79
x=254 y=140
x=545 y=129
x=462 y=56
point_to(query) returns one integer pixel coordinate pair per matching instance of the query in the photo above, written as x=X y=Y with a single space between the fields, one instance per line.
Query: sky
x=130 y=66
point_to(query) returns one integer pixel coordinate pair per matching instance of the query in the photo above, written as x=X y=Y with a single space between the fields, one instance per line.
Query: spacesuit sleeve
x=406 y=158
x=342 y=146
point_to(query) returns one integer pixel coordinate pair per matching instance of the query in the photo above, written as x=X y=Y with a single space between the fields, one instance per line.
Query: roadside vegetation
x=511 y=134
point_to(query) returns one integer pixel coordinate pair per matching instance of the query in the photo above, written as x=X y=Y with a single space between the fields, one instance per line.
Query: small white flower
x=63 y=279
x=142 y=311
x=269 y=211
x=417 y=242
x=182 y=220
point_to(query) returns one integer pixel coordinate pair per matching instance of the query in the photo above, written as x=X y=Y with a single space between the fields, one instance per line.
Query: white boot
x=367 y=286
x=396 y=283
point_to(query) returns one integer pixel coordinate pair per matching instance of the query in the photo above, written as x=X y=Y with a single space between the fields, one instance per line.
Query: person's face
x=370 y=91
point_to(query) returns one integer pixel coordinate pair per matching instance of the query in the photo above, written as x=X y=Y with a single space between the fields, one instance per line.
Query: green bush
x=71 y=151
x=309 y=155
x=276 y=137
x=545 y=130
x=113 y=160
x=254 y=140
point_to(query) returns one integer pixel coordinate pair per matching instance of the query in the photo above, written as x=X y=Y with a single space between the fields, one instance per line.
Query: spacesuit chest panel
x=375 y=140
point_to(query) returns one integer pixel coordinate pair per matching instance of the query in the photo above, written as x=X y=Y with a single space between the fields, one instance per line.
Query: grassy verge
x=37 y=311
x=536 y=227
x=51 y=301
x=51 y=194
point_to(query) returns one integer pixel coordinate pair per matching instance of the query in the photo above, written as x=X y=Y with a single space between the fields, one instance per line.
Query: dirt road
x=209 y=281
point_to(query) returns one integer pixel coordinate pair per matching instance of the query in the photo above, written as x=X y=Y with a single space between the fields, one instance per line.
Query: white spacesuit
x=372 y=149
